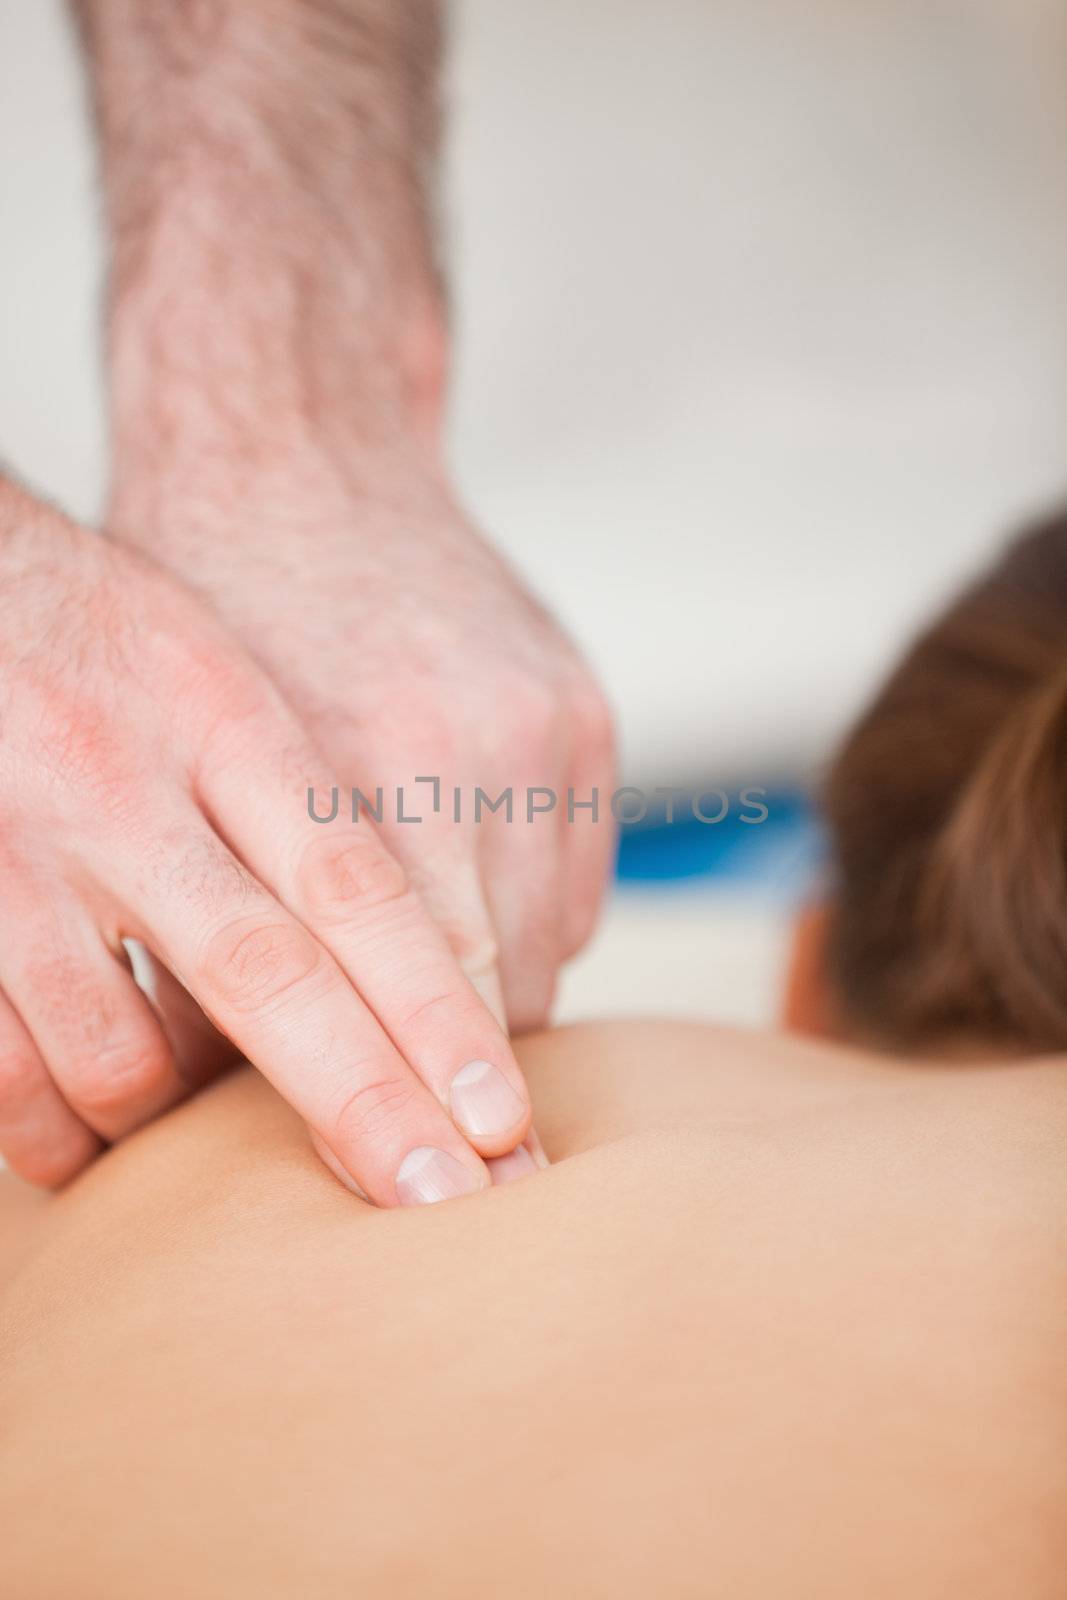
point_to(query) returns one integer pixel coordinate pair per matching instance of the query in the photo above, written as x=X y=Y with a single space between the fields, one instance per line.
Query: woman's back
x=781 y=1320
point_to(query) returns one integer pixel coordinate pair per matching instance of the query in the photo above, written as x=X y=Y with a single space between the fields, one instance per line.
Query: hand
x=410 y=649
x=153 y=787
x=278 y=359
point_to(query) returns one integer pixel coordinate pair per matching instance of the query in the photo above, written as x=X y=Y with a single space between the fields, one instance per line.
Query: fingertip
x=53 y=1162
x=518 y=1163
x=488 y=1108
x=428 y=1175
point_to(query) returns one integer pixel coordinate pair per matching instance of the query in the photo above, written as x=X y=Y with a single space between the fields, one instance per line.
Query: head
x=947 y=814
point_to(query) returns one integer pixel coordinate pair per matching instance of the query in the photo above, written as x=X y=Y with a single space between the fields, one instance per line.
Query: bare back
x=777 y=1318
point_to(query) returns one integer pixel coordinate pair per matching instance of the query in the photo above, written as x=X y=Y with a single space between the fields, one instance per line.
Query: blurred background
x=761 y=347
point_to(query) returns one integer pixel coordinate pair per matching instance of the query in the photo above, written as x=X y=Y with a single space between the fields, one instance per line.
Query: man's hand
x=153 y=787
x=278 y=368
x=409 y=649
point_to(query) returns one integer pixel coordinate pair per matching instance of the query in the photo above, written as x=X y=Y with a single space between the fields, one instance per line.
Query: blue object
x=784 y=851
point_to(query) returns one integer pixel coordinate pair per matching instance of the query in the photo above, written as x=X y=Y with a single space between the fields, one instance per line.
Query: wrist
x=273 y=282
x=219 y=510
x=278 y=326
x=268 y=372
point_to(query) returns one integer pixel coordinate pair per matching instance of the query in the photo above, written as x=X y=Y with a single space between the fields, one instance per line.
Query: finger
x=589 y=838
x=522 y=871
x=488 y=987
x=40 y=1137
x=274 y=989
x=449 y=883
x=450 y=886
x=354 y=896
x=526 y=1159
x=200 y=1052
x=94 y=1029
x=446 y=876
x=328 y=1159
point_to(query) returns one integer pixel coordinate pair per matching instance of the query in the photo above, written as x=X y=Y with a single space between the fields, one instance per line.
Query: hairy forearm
x=268 y=168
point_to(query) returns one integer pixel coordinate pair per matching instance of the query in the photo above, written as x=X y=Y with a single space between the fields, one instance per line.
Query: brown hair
x=947 y=808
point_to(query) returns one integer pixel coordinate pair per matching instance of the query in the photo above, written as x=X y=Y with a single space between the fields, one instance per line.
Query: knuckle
x=80 y=745
x=256 y=966
x=222 y=695
x=238 y=713
x=474 y=946
x=114 y=1076
x=371 y=1112
x=337 y=879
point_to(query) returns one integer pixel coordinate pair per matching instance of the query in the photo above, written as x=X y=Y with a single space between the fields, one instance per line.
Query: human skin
x=790 y=1322
x=151 y=781
x=278 y=358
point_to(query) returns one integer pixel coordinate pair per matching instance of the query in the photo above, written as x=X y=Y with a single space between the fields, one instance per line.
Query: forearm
x=267 y=169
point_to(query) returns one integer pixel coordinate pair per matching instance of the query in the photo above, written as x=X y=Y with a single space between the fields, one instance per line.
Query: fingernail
x=483 y=1101
x=427 y=1175
x=518 y=1163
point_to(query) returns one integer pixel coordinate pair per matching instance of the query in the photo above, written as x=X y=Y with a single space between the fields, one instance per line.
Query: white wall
x=763 y=330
